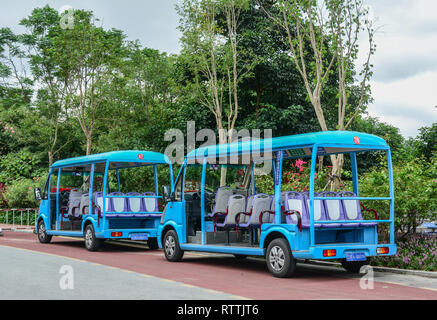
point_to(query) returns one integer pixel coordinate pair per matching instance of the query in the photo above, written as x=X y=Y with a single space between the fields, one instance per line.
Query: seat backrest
x=150 y=204
x=334 y=209
x=118 y=204
x=249 y=205
x=222 y=198
x=319 y=208
x=270 y=218
x=84 y=201
x=74 y=201
x=134 y=204
x=236 y=204
x=98 y=200
x=295 y=201
x=352 y=209
x=261 y=202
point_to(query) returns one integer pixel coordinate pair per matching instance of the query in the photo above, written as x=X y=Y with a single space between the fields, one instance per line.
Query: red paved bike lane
x=245 y=278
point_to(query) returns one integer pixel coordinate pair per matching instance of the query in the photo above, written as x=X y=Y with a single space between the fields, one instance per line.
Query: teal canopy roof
x=334 y=141
x=137 y=157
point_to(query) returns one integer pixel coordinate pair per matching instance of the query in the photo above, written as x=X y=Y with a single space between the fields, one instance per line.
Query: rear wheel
x=353 y=266
x=152 y=244
x=43 y=237
x=279 y=258
x=91 y=242
x=172 y=250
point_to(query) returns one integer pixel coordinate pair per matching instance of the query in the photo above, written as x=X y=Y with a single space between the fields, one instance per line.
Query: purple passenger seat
x=118 y=206
x=134 y=204
x=150 y=205
x=258 y=204
x=221 y=201
x=352 y=211
x=319 y=210
x=333 y=210
x=295 y=201
x=236 y=204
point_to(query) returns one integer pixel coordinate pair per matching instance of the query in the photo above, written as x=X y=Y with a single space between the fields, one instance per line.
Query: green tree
x=322 y=37
x=212 y=52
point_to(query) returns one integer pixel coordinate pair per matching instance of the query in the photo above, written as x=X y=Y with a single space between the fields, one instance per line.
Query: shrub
x=415 y=193
x=22 y=164
x=415 y=251
x=20 y=193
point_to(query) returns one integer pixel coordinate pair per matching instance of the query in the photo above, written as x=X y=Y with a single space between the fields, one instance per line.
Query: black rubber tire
x=172 y=250
x=91 y=242
x=43 y=237
x=279 y=258
x=152 y=244
x=353 y=266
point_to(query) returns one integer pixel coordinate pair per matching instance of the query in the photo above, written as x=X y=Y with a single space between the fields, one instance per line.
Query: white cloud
x=408 y=104
x=404 y=83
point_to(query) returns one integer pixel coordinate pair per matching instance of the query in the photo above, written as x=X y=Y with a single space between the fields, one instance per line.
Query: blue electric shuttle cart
x=283 y=226
x=120 y=187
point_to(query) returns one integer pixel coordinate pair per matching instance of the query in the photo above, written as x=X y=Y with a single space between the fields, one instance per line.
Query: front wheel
x=91 y=242
x=43 y=237
x=279 y=259
x=172 y=250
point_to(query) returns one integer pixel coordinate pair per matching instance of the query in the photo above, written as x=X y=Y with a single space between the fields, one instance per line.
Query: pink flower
x=299 y=164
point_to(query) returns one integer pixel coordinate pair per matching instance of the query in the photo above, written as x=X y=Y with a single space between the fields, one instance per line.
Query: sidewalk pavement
x=15 y=227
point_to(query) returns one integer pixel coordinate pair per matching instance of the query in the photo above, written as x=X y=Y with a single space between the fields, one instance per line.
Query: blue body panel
x=309 y=242
x=115 y=156
x=105 y=225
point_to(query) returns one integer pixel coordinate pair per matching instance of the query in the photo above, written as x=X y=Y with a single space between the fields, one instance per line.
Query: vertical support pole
x=105 y=183
x=118 y=180
x=278 y=174
x=90 y=192
x=274 y=170
x=57 y=199
x=171 y=177
x=392 y=197
x=49 y=191
x=253 y=176
x=202 y=200
x=354 y=167
x=312 y=175
x=155 y=176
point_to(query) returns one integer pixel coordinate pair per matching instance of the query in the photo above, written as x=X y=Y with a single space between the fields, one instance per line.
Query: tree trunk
x=222 y=140
x=337 y=165
x=88 y=144
x=50 y=158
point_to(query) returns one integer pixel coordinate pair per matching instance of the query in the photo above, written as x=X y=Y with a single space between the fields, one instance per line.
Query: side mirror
x=37 y=193
x=166 y=193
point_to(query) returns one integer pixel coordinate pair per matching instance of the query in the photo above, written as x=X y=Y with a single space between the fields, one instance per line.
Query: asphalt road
x=30 y=270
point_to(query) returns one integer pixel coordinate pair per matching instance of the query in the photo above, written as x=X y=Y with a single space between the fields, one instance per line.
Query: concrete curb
x=420 y=273
x=18 y=229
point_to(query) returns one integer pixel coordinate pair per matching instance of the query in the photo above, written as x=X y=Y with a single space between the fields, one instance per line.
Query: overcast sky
x=404 y=84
